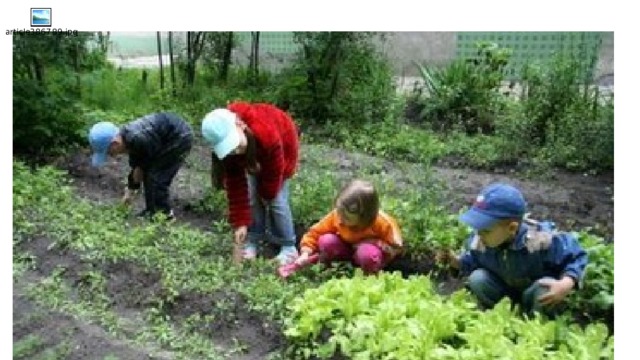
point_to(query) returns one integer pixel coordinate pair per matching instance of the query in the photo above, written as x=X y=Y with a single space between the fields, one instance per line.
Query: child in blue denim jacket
x=505 y=256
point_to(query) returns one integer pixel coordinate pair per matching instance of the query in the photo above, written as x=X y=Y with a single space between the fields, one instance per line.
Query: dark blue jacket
x=156 y=140
x=534 y=253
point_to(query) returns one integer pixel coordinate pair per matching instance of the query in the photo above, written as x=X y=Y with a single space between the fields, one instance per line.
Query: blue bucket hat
x=495 y=202
x=219 y=129
x=100 y=137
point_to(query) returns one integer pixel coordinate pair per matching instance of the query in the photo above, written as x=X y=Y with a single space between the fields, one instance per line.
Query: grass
x=27 y=346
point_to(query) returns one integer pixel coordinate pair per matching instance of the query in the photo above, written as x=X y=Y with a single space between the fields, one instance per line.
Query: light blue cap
x=100 y=137
x=219 y=130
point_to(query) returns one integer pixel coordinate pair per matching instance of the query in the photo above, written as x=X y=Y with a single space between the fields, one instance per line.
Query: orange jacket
x=384 y=228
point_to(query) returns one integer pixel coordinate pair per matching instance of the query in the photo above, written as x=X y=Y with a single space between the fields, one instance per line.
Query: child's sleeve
x=139 y=151
x=467 y=260
x=390 y=232
x=131 y=183
x=390 y=239
x=568 y=257
x=324 y=226
x=235 y=182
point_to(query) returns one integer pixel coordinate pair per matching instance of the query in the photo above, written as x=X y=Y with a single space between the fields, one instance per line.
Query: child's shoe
x=287 y=255
x=250 y=250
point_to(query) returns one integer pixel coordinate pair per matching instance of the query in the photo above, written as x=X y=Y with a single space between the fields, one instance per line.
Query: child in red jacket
x=256 y=148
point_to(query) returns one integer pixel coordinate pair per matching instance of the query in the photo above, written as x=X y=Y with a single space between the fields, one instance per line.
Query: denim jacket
x=536 y=252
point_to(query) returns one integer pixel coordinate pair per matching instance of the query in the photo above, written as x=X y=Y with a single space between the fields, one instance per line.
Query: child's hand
x=558 y=290
x=240 y=234
x=305 y=254
x=239 y=237
x=138 y=175
x=448 y=257
x=237 y=253
x=127 y=199
x=302 y=259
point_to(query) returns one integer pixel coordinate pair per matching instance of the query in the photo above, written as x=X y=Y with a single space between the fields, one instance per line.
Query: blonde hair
x=359 y=198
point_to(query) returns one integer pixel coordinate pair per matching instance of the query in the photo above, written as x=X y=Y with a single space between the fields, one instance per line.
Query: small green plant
x=390 y=317
x=184 y=259
x=596 y=296
x=465 y=94
x=389 y=139
x=426 y=228
x=337 y=77
x=565 y=115
x=312 y=195
x=27 y=346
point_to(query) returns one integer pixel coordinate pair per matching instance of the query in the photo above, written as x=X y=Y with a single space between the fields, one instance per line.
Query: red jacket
x=277 y=153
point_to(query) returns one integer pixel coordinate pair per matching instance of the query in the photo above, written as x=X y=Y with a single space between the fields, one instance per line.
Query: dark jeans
x=490 y=289
x=157 y=181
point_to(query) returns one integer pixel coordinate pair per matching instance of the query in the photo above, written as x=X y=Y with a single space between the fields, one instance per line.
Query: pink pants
x=367 y=256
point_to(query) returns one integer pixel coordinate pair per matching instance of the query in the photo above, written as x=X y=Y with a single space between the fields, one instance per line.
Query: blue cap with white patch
x=495 y=202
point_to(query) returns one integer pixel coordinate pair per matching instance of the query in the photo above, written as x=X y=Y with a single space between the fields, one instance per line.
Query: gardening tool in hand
x=286 y=270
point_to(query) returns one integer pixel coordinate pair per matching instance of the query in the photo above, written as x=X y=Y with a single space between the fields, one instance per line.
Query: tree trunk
x=76 y=68
x=335 y=68
x=160 y=61
x=195 y=43
x=185 y=80
x=171 y=65
x=253 y=60
x=191 y=52
x=103 y=41
x=312 y=82
x=38 y=70
x=226 y=60
x=256 y=54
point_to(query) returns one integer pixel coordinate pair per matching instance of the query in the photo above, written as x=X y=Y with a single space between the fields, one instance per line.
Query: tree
x=195 y=45
x=337 y=76
x=46 y=74
x=104 y=41
x=217 y=52
x=171 y=64
x=254 y=57
x=160 y=60
x=226 y=57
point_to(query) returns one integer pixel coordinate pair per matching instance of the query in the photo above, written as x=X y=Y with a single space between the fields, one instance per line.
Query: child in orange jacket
x=355 y=230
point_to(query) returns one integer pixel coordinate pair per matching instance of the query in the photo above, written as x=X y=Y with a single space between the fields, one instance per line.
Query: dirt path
x=39 y=332
x=573 y=201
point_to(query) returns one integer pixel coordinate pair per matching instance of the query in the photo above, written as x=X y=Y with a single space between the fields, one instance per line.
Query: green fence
x=276 y=48
x=272 y=42
x=531 y=47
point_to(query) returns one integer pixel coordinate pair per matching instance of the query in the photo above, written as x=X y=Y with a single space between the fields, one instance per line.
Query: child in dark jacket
x=533 y=265
x=157 y=145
